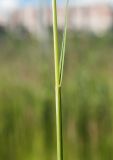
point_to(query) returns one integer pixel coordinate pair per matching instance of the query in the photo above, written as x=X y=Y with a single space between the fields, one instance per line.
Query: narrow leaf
x=63 y=48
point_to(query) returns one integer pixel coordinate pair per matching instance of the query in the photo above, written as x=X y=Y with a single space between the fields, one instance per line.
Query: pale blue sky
x=63 y=1
x=84 y=2
x=11 y=4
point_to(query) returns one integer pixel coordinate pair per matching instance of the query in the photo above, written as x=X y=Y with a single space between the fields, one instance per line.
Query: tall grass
x=58 y=77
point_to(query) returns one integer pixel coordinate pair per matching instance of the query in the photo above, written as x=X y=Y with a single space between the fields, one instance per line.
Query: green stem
x=57 y=85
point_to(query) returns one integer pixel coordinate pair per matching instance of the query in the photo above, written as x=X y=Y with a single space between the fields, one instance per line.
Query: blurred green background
x=27 y=105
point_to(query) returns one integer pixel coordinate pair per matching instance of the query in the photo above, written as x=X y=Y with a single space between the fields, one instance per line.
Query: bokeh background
x=27 y=105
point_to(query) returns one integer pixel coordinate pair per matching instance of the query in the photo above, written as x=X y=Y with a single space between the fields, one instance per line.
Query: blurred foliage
x=27 y=107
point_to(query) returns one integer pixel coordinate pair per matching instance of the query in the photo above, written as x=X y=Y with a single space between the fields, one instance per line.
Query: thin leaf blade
x=63 y=47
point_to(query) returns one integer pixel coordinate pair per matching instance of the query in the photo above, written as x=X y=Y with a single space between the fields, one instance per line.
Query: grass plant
x=59 y=65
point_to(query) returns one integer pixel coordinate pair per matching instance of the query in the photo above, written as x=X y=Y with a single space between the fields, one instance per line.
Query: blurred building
x=26 y=17
x=93 y=18
x=3 y=19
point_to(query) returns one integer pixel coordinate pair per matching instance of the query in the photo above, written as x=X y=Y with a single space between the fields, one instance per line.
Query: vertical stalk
x=57 y=85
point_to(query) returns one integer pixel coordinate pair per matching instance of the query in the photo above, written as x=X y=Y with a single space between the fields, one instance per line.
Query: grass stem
x=57 y=85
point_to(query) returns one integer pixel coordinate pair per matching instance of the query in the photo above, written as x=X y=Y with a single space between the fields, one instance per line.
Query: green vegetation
x=59 y=66
x=27 y=111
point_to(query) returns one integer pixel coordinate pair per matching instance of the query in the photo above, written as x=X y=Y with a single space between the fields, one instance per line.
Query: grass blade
x=63 y=48
x=57 y=87
x=58 y=76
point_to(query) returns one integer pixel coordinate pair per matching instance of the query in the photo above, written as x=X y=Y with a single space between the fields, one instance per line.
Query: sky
x=9 y=5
